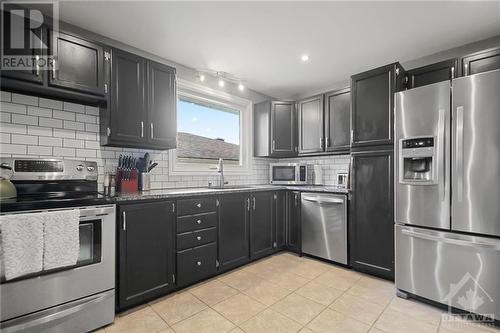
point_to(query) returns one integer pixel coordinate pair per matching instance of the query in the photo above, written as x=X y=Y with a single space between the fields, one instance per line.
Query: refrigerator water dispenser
x=418 y=161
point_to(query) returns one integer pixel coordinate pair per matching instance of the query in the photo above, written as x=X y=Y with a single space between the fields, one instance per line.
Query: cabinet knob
x=198 y=205
x=198 y=238
x=198 y=221
x=198 y=263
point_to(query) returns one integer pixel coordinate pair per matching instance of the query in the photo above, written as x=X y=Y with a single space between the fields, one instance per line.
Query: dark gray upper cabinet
x=441 y=71
x=262 y=227
x=162 y=121
x=145 y=252
x=371 y=224
x=481 y=62
x=142 y=108
x=372 y=96
x=338 y=120
x=310 y=115
x=275 y=129
x=78 y=64
x=127 y=109
x=234 y=230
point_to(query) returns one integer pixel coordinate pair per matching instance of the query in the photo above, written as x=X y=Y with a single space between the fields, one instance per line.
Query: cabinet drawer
x=195 y=206
x=196 y=264
x=196 y=238
x=196 y=222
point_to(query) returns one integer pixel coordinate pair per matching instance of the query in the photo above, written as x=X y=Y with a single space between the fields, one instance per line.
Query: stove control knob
x=79 y=167
x=90 y=168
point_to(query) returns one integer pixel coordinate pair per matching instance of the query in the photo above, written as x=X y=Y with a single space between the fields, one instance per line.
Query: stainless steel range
x=448 y=193
x=77 y=298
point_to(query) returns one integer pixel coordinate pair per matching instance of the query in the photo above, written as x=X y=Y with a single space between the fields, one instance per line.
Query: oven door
x=93 y=273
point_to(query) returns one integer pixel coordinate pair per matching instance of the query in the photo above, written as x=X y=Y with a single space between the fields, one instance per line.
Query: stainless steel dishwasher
x=324 y=226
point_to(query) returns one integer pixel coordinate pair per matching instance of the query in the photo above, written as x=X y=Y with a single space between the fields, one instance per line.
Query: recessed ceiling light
x=241 y=87
x=202 y=77
x=221 y=83
x=304 y=58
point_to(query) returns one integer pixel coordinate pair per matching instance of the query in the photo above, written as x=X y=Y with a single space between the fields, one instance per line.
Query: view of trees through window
x=207 y=132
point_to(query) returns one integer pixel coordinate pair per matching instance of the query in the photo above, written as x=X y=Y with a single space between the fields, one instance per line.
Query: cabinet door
x=441 y=71
x=234 y=230
x=293 y=240
x=372 y=220
x=338 y=121
x=481 y=62
x=162 y=121
x=311 y=136
x=36 y=37
x=128 y=107
x=280 y=218
x=146 y=252
x=283 y=129
x=262 y=230
x=78 y=64
x=372 y=106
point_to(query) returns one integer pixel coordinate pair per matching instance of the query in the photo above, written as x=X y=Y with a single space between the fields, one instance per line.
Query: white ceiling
x=262 y=42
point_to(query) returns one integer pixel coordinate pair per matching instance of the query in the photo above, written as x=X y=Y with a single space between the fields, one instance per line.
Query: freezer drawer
x=449 y=268
x=324 y=226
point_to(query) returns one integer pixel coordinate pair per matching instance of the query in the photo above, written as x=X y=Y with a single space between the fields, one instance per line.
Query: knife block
x=126 y=185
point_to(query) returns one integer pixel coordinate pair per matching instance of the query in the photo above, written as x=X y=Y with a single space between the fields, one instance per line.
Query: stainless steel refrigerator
x=447 y=193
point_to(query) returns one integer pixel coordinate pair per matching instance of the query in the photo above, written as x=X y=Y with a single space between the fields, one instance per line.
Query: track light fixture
x=222 y=78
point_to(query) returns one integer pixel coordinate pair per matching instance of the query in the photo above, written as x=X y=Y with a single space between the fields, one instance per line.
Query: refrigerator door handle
x=459 y=153
x=442 y=154
x=451 y=240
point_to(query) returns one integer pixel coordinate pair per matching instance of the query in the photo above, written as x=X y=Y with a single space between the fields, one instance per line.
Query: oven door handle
x=35 y=320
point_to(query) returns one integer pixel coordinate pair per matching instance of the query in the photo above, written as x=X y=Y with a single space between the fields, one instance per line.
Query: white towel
x=22 y=244
x=61 y=239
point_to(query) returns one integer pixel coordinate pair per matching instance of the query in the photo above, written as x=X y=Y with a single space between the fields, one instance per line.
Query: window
x=211 y=124
x=207 y=132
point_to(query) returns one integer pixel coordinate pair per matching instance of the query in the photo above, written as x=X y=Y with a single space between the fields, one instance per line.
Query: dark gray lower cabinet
x=280 y=216
x=196 y=263
x=371 y=227
x=234 y=230
x=145 y=252
x=262 y=227
x=293 y=222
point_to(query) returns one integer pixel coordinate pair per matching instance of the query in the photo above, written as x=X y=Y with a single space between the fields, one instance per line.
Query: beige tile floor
x=287 y=293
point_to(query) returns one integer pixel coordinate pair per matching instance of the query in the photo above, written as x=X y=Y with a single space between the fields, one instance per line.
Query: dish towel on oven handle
x=21 y=244
x=61 y=238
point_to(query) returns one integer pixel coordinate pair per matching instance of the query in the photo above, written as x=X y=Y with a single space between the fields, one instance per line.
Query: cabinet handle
x=352 y=136
x=321 y=142
x=453 y=72
x=327 y=142
x=151 y=130
x=198 y=238
x=53 y=68
x=248 y=204
x=142 y=129
x=466 y=67
x=273 y=145
x=296 y=199
x=37 y=67
x=254 y=204
x=124 y=225
x=198 y=263
x=198 y=221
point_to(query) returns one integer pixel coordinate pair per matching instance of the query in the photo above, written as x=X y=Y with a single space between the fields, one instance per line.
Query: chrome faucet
x=220 y=171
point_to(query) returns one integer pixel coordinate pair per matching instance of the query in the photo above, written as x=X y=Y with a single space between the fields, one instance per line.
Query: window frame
x=196 y=92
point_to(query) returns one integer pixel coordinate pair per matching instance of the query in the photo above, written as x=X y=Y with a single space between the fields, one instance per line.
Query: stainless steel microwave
x=288 y=173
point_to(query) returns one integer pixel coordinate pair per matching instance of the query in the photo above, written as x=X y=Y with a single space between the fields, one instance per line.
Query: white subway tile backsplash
x=64 y=152
x=13 y=108
x=49 y=141
x=5 y=117
x=40 y=112
x=5 y=96
x=86 y=153
x=71 y=143
x=93 y=110
x=87 y=136
x=12 y=149
x=64 y=133
x=50 y=103
x=65 y=115
x=24 y=139
x=40 y=150
x=4 y=137
x=25 y=99
x=13 y=128
x=40 y=131
x=92 y=145
x=73 y=125
x=22 y=119
x=85 y=118
x=50 y=122
x=92 y=128
x=74 y=107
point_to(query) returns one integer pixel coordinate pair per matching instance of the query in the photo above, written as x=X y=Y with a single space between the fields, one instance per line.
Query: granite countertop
x=198 y=191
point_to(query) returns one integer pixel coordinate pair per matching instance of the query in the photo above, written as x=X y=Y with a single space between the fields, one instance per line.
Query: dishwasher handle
x=323 y=200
